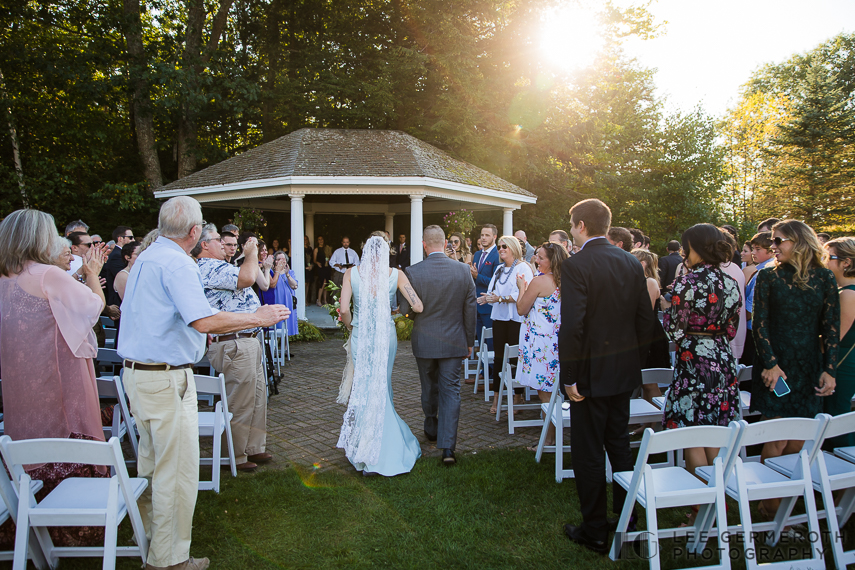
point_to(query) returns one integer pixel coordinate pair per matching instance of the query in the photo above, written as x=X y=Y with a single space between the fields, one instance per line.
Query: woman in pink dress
x=47 y=346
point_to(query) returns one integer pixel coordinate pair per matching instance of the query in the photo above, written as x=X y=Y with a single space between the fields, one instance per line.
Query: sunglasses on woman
x=779 y=240
x=455 y=241
x=503 y=246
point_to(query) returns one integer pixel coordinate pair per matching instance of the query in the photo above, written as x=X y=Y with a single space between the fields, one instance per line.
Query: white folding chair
x=743 y=374
x=829 y=473
x=9 y=509
x=485 y=359
x=669 y=487
x=215 y=424
x=470 y=363
x=557 y=413
x=128 y=419
x=755 y=481
x=506 y=388
x=76 y=501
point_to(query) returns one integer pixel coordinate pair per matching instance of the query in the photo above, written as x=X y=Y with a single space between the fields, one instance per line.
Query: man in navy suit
x=484 y=264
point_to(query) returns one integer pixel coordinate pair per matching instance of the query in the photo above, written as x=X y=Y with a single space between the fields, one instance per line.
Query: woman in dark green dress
x=841 y=262
x=796 y=330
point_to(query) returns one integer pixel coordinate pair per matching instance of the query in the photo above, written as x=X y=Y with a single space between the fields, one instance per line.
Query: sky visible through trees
x=104 y=101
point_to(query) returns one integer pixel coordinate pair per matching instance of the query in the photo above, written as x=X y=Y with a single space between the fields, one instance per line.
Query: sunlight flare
x=571 y=37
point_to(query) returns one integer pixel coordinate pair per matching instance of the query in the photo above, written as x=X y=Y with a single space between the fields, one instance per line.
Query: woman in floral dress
x=702 y=318
x=540 y=303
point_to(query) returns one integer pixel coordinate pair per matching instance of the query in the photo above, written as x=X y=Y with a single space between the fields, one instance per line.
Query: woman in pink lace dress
x=47 y=346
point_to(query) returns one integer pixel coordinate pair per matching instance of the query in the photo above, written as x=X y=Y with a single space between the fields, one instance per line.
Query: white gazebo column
x=297 y=243
x=508 y=222
x=310 y=229
x=416 y=226
x=390 y=225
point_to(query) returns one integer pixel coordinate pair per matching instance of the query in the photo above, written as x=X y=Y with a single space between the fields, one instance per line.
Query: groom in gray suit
x=443 y=335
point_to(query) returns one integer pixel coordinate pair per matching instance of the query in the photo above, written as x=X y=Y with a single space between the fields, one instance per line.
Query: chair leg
x=652 y=524
x=216 y=461
x=510 y=395
x=546 y=423
x=22 y=528
x=111 y=527
x=559 y=448
x=231 y=448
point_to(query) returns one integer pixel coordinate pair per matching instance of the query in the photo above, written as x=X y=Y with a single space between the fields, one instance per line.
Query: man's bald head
x=434 y=238
x=519 y=234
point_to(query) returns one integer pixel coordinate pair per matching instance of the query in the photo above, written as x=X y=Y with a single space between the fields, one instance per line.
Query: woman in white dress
x=540 y=303
x=374 y=437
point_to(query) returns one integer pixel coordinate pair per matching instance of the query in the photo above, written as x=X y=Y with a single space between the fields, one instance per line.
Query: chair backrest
x=8 y=494
x=725 y=438
x=107 y=388
x=108 y=356
x=107 y=322
x=809 y=430
x=215 y=385
x=744 y=373
x=660 y=376
x=840 y=425
x=486 y=334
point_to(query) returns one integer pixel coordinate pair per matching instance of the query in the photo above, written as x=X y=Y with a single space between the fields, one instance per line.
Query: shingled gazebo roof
x=343 y=154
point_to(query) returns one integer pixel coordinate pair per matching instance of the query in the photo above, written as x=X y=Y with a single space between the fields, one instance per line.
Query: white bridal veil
x=362 y=430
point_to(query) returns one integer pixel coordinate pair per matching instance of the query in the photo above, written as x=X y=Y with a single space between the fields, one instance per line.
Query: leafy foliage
x=307 y=332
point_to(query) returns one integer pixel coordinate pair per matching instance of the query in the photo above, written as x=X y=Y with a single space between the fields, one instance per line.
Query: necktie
x=346 y=257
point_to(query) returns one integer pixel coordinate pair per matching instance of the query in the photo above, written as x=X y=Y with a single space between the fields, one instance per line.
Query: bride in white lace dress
x=374 y=437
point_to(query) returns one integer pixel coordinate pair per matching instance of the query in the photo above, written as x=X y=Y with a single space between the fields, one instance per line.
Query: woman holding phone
x=796 y=327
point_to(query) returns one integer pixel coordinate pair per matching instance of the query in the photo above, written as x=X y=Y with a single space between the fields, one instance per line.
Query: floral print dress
x=704 y=390
x=539 y=344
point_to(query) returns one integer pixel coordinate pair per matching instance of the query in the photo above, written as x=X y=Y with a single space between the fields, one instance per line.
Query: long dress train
x=399 y=448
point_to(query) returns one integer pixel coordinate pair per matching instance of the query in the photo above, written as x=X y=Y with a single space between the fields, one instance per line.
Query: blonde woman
x=796 y=326
x=657 y=356
x=502 y=294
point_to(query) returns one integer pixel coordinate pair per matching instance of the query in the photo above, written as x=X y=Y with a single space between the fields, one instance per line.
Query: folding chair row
x=742 y=481
x=507 y=385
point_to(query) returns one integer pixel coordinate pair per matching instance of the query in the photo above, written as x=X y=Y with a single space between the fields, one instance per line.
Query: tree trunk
x=142 y=112
x=13 y=134
x=193 y=61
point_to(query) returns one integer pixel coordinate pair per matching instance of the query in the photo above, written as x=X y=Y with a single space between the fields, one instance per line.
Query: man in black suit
x=668 y=264
x=605 y=315
x=403 y=258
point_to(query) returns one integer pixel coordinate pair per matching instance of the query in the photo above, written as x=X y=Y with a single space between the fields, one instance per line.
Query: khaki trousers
x=246 y=386
x=164 y=406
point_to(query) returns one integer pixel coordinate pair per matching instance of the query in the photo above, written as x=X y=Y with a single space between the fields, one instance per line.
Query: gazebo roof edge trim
x=378 y=182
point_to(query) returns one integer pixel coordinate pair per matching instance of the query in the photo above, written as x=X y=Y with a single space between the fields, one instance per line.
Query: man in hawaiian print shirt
x=237 y=355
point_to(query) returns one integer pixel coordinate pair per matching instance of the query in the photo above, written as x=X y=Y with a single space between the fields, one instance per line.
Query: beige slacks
x=246 y=386
x=163 y=404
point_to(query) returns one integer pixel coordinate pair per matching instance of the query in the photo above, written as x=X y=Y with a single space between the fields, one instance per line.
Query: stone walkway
x=304 y=420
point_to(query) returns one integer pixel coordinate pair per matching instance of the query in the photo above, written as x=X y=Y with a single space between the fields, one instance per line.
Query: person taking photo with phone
x=796 y=333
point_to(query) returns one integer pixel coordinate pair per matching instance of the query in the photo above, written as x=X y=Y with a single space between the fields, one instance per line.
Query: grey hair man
x=443 y=335
x=165 y=318
x=237 y=355
x=561 y=238
x=76 y=226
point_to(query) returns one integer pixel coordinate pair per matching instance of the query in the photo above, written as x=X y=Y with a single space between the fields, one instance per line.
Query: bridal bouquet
x=334 y=308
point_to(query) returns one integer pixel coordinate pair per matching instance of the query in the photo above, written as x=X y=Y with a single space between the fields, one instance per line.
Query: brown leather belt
x=234 y=336
x=134 y=365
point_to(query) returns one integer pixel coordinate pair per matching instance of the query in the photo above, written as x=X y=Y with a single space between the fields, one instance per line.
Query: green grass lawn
x=496 y=509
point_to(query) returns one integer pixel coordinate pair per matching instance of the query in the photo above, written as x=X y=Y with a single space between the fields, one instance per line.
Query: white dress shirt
x=343 y=256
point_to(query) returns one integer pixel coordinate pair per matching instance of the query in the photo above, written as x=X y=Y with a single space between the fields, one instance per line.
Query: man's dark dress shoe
x=577 y=535
x=448 y=457
x=630 y=527
x=430 y=437
x=259 y=458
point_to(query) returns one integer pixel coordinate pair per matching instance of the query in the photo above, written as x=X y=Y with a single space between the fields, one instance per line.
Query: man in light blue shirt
x=165 y=317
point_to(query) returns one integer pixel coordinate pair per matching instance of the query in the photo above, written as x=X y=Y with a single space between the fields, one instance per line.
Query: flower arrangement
x=249 y=219
x=462 y=221
x=334 y=308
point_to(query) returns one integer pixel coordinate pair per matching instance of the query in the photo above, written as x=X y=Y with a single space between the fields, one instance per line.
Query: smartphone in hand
x=781 y=387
